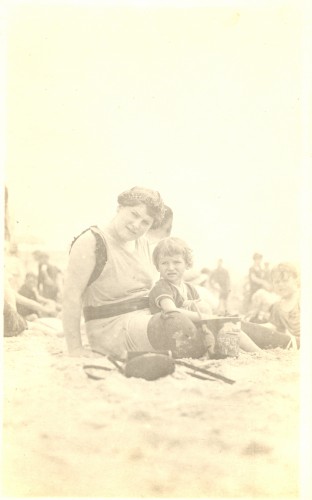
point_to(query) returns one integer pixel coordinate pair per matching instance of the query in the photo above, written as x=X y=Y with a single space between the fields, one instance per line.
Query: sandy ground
x=66 y=435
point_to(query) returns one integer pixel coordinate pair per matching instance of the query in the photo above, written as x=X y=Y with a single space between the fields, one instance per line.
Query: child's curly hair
x=151 y=199
x=284 y=270
x=172 y=246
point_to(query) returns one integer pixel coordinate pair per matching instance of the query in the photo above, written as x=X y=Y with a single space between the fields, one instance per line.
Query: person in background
x=221 y=277
x=29 y=290
x=283 y=328
x=285 y=314
x=14 y=272
x=267 y=272
x=13 y=323
x=257 y=276
x=50 y=278
x=261 y=305
x=200 y=280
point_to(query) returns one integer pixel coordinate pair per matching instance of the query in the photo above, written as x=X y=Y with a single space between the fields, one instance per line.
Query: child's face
x=284 y=284
x=172 y=268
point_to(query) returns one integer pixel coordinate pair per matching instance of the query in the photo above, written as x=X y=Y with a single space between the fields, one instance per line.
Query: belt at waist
x=109 y=310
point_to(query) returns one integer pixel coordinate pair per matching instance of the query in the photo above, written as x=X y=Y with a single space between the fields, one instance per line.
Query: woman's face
x=132 y=222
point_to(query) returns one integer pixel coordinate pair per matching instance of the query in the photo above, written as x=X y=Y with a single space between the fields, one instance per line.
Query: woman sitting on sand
x=109 y=277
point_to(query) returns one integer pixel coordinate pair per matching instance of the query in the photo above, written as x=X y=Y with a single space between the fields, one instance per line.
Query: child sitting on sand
x=172 y=257
x=285 y=314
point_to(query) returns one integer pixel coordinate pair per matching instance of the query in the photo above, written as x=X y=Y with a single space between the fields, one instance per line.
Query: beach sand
x=66 y=435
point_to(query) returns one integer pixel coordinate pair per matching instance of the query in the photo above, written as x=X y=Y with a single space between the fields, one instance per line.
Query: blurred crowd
x=252 y=296
x=269 y=296
x=31 y=294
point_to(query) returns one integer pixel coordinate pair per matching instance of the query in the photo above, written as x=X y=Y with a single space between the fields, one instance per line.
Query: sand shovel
x=205 y=372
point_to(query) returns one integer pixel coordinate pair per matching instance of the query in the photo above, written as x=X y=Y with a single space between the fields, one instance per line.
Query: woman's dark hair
x=172 y=246
x=151 y=199
x=167 y=216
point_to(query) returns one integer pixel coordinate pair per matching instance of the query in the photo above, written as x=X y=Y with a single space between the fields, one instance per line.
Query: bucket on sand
x=227 y=340
x=226 y=331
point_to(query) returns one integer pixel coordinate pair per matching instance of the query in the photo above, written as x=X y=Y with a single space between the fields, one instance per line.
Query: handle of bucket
x=197 y=310
x=203 y=325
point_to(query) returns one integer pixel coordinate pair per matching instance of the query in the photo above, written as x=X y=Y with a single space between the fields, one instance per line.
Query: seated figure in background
x=285 y=313
x=50 y=278
x=29 y=290
x=261 y=305
x=13 y=322
x=283 y=326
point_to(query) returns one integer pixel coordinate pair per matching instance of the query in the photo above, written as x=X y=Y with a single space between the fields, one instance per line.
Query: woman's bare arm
x=80 y=266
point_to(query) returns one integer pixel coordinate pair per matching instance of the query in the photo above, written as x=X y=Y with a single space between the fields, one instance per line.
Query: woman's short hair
x=151 y=199
x=173 y=246
x=285 y=270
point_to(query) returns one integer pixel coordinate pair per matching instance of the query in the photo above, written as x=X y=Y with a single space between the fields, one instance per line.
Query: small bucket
x=227 y=343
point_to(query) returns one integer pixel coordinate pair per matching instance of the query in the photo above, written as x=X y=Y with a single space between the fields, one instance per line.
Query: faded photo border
x=11 y=12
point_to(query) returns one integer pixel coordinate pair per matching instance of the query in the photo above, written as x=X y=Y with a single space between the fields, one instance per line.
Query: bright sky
x=202 y=104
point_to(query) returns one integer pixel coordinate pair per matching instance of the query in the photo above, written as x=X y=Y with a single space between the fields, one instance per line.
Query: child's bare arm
x=167 y=304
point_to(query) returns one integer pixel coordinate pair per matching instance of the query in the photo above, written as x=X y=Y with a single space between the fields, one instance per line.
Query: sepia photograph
x=157 y=223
